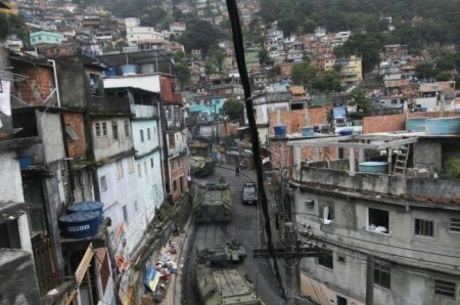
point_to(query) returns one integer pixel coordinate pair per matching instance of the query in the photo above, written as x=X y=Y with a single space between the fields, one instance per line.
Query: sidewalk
x=174 y=290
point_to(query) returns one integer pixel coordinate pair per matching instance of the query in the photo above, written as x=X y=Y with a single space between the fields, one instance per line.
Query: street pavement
x=244 y=228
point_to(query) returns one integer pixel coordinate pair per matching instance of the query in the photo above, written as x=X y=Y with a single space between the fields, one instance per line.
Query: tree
x=234 y=109
x=4 y=26
x=263 y=57
x=327 y=81
x=359 y=99
x=303 y=73
x=200 y=35
x=182 y=68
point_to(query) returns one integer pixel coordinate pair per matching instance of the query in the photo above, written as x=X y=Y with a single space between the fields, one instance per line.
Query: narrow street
x=244 y=228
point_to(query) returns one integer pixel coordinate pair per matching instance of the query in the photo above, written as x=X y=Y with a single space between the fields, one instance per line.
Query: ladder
x=401 y=160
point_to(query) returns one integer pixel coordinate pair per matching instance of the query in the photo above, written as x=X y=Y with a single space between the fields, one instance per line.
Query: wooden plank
x=70 y=298
x=84 y=264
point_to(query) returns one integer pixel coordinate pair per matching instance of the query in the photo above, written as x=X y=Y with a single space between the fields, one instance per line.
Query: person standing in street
x=237 y=170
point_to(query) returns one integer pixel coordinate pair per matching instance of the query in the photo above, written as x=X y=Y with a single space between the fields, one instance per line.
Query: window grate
x=423 y=227
x=382 y=275
x=454 y=224
x=445 y=288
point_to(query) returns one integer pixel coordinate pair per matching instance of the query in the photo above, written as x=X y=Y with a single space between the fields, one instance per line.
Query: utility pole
x=292 y=252
x=370 y=281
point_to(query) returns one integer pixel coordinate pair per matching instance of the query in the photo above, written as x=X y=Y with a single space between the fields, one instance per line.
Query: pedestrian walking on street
x=237 y=170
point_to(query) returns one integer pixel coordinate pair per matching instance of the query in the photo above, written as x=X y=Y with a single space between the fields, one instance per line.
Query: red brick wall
x=384 y=123
x=77 y=148
x=306 y=154
x=179 y=173
x=295 y=120
x=228 y=129
x=167 y=90
x=38 y=85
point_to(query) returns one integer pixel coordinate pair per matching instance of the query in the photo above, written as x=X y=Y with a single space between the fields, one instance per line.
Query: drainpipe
x=56 y=83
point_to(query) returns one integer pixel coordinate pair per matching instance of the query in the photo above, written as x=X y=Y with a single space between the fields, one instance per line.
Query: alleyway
x=243 y=227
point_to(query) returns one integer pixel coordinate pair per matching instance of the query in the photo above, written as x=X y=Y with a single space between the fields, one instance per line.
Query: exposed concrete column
x=297 y=159
x=389 y=159
x=361 y=156
x=351 y=161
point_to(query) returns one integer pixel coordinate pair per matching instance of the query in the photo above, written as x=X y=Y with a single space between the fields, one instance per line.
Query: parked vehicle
x=249 y=194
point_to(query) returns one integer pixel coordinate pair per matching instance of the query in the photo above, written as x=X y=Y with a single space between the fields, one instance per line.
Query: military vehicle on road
x=212 y=202
x=219 y=280
x=201 y=166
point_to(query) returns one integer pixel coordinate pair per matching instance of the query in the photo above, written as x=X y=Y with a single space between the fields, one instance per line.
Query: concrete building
x=45 y=37
x=141 y=35
x=395 y=230
x=351 y=70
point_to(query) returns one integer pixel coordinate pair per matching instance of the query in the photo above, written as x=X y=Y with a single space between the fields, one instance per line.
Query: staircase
x=401 y=160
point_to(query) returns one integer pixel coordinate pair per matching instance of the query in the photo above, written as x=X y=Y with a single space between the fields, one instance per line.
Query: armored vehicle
x=219 y=280
x=213 y=202
x=201 y=166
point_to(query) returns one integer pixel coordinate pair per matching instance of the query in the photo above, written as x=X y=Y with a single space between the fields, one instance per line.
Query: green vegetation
x=306 y=75
x=201 y=35
x=182 y=69
x=12 y=24
x=234 y=109
x=359 y=99
x=452 y=168
x=436 y=20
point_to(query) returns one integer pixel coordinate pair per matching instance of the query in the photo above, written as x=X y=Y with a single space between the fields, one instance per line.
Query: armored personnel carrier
x=219 y=280
x=213 y=202
x=201 y=166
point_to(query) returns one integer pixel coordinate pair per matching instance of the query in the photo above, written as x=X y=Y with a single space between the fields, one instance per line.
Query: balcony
x=105 y=105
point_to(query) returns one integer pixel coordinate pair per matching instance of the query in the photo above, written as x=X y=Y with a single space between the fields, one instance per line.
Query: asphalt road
x=244 y=228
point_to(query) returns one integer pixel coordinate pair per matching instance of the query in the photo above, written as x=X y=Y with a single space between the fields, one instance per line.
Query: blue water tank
x=346 y=132
x=88 y=206
x=111 y=71
x=25 y=162
x=308 y=131
x=79 y=225
x=416 y=124
x=373 y=167
x=280 y=131
x=443 y=126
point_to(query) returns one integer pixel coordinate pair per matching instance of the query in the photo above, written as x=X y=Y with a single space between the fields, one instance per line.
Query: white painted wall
x=120 y=191
x=147 y=82
x=11 y=190
x=105 y=145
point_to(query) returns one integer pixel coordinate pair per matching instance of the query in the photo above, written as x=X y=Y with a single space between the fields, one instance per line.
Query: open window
x=327 y=212
x=379 y=221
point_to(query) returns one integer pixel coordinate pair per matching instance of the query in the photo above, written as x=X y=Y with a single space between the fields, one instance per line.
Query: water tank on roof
x=88 y=206
x=308 y=131
x=416 y=124
x=111 y=71
x=79 y=225
x=280 y=131
x=129 y=70
x=443 y=126
x=373 y=167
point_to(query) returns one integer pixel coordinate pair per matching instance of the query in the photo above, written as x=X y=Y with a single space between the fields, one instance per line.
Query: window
x=139 y=170
x=148 y=134
x=328 y=213
x=151 y=162
x=326 y=260
x=142 y=135
x=9 y=235
x=104 y=129
x=341 y=300
x=382 y=275
x=445 y=288
x=341 y=258
x=115 y=130
x=423 y=227
x=127 y=128
x=174 y=185
x=310 y=204
x=379 y=221
x=97 y=128
x=119 y=169
x=130 y=165
x=125 y=214
x=341 y=153
x=103 y=183
x=454 y=225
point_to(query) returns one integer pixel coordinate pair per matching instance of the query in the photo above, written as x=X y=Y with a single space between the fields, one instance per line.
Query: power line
x=239 y=54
